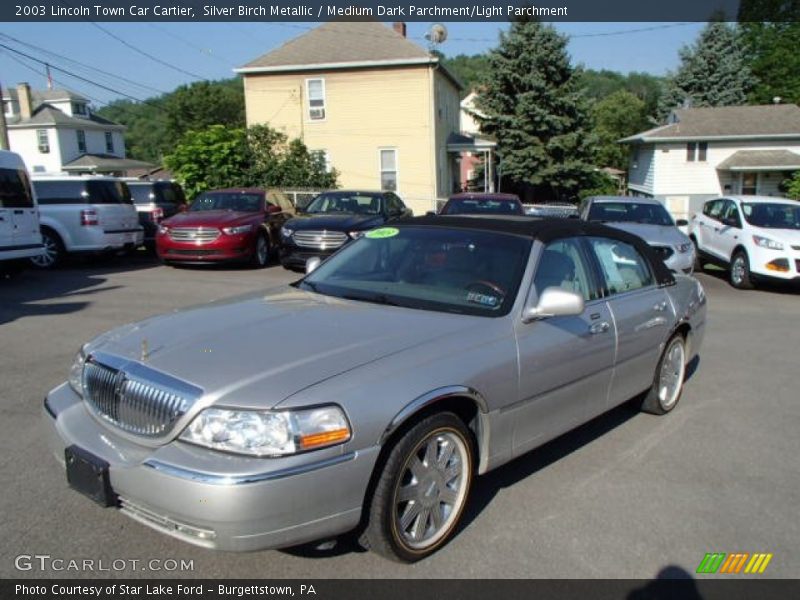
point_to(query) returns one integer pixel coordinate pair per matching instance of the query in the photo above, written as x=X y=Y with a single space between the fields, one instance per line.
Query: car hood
x=208 y=218
x=257 y=351
x=655 y=235
x=335 y=222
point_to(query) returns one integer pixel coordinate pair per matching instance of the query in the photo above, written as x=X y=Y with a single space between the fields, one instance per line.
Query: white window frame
x=109 y=142
x=396 y=168
x=44 y=148
x=79 y=108
x=80 y=136
x=324 y=106
x=8 y=108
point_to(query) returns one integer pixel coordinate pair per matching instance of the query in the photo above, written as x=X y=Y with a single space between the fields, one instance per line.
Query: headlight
x=268 y=433
x=767 y=243
x=684 y=248
x=286 y=232
x=237 y=230
x=356 y=234
x=76 y=372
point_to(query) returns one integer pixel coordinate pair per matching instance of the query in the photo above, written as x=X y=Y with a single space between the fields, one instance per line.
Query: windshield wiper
x=374 y=299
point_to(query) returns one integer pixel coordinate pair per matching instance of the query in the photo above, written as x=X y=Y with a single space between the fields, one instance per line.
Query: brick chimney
x=25 y=104
x=400 y=28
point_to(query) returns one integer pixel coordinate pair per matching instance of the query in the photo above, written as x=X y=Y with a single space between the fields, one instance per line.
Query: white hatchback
x=19 y=219
x=752 y=236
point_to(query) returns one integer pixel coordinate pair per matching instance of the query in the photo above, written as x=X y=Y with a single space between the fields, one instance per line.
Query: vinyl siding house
x=55 y=131
x=378 y=106
x=705 y=152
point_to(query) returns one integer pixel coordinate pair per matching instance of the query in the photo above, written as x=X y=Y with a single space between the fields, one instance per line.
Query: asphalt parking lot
x=625 y=496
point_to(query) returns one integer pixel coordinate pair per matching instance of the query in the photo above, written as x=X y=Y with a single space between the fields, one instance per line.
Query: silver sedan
x=369 y=394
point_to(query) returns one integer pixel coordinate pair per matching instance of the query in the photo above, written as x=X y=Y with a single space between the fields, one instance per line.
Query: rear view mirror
x=681 y=223
x=554 y=302
x=312 y=263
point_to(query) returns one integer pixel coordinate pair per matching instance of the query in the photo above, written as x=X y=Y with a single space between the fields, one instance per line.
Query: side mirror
x=554 y=302
x=272 y=209
x=681 y=223
x=312 y=263
x=431 y=213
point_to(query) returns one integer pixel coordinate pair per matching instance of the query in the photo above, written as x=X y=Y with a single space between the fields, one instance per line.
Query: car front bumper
x=224 y=249
x=179 y=489
x=293 y=257
x=681 y=262
x=761 y=257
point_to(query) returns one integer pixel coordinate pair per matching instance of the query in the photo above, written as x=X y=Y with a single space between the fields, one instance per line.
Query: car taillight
x=157 y=214
x=89 y=217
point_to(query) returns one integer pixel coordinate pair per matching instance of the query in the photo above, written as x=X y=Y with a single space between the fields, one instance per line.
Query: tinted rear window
x=142 y=194
x=15 y=189
x=61 y=192
x=482 y=206
x=108 y=192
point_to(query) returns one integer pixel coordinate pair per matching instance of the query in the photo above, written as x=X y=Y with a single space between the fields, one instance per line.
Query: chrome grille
x=130 y=399
x=664 y=252
x=200 y=235
x=320 y=240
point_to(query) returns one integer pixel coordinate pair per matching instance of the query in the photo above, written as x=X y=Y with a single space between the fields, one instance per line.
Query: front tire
x=261 y=253
x=740 y=276
x=422 y=490
x=53 y=251
x=698 y=260
x=669 y=378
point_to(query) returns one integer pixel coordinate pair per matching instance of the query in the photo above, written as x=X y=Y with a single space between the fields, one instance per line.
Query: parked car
x=84 y=214
x=334 y=218
x=20 y=237
x=754 y=237
x=155 y=201
x=647 y=218
x=469 y=203
x=230 y=225
x=552 y=209
x=416 y=357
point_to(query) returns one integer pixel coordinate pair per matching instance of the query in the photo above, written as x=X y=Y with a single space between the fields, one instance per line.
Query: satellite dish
x=436 y=34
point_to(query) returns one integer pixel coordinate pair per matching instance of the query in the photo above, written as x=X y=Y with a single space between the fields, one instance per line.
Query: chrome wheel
x=262 y=251
x=51 y=253
x=432 y=490
x=673 y=370
x=738 y=270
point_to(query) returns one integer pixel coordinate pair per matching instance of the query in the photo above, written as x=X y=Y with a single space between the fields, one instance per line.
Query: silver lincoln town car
x=367 y=395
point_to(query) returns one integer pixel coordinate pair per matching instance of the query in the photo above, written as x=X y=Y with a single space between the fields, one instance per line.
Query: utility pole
x=4 y=145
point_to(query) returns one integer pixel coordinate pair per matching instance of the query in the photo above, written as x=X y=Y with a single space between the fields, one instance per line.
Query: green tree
x=713 y=72
x=277 y=161
x=214 y=157
x=204 y=103
x=619 y=115
x=791 y=186
x=537 y=112
x=469 y=70
x=599 y=85
x=145 y=123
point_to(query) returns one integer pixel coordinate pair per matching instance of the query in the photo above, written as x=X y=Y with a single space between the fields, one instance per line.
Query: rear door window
x=142 y=194
x=15 y=189
x=108 y=192
x=61 y=192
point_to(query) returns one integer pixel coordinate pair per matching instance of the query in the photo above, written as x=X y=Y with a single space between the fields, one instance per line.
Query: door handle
x=660 y=306
x=600 y=327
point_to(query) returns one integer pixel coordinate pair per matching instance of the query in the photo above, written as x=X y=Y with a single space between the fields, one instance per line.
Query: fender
x=443 y=393
x=50 y=223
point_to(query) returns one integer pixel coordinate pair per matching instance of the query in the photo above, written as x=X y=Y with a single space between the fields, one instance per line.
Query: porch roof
x=462 y=142
x=761 y=160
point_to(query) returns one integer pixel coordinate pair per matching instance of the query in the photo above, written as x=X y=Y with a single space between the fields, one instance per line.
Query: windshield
x=431 y=268
x=346 y=202
x=630 y=212
x=482 y=206
x=772 y=215
x=228 y=201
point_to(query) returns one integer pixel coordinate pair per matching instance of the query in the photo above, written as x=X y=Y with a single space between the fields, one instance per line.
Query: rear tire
x=739 y=271
x=422 y=490
x=669 y=378
x=53 y=251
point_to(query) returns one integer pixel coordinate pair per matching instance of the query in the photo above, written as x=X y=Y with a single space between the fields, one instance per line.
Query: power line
x=85 y=66
x=206 y=51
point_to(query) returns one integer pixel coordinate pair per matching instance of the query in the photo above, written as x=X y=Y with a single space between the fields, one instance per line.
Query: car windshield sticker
x=483 y=299
x=383 y=232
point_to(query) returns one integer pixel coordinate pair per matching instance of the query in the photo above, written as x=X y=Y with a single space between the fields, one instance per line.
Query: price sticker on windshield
x=382 y=233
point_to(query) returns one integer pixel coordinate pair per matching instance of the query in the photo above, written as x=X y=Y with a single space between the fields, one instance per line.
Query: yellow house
x=379 y=107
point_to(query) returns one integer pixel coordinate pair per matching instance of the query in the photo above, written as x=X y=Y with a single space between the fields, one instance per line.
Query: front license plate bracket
x=88 y=474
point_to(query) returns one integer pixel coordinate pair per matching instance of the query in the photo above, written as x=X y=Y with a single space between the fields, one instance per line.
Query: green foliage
x=791 y=186
x=619 y=115
x=600 y=184
x=220 y=156
x=601 y=84
x=146 y=123
x=204 y=103
x=469 y=70
x=713 y=71
x=773 y=54
x=538 y=114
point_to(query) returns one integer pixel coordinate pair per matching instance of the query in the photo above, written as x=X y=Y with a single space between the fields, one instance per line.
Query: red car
x=231 y=225
x=475 y=203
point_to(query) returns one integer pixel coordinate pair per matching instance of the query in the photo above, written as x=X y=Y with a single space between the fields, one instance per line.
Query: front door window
x=749 y=183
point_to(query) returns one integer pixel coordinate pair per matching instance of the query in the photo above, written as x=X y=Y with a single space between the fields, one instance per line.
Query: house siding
x=641 y=172
x=26 y=143
x=366 y=110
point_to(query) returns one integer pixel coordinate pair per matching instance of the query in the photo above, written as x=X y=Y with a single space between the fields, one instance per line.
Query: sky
x=196 y=51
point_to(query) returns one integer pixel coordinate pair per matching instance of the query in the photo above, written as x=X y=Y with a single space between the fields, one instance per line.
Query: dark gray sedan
x=369 y=394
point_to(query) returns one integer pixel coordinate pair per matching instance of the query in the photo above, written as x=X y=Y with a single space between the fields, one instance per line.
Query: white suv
x=85 y=214
x=752 y=236
x=19 y=220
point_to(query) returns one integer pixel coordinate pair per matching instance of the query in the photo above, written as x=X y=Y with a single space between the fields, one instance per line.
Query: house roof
x=47 y=115
x=344 y=45
x=726 y=122
x=761 y=160
x=43 y=96
x=104 y=163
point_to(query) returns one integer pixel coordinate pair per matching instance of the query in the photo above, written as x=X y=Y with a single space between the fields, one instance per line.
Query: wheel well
x=51 y=231
x=684 y=329
x=739 y=248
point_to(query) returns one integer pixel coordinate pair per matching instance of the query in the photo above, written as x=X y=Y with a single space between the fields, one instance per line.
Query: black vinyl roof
x=545 y=230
